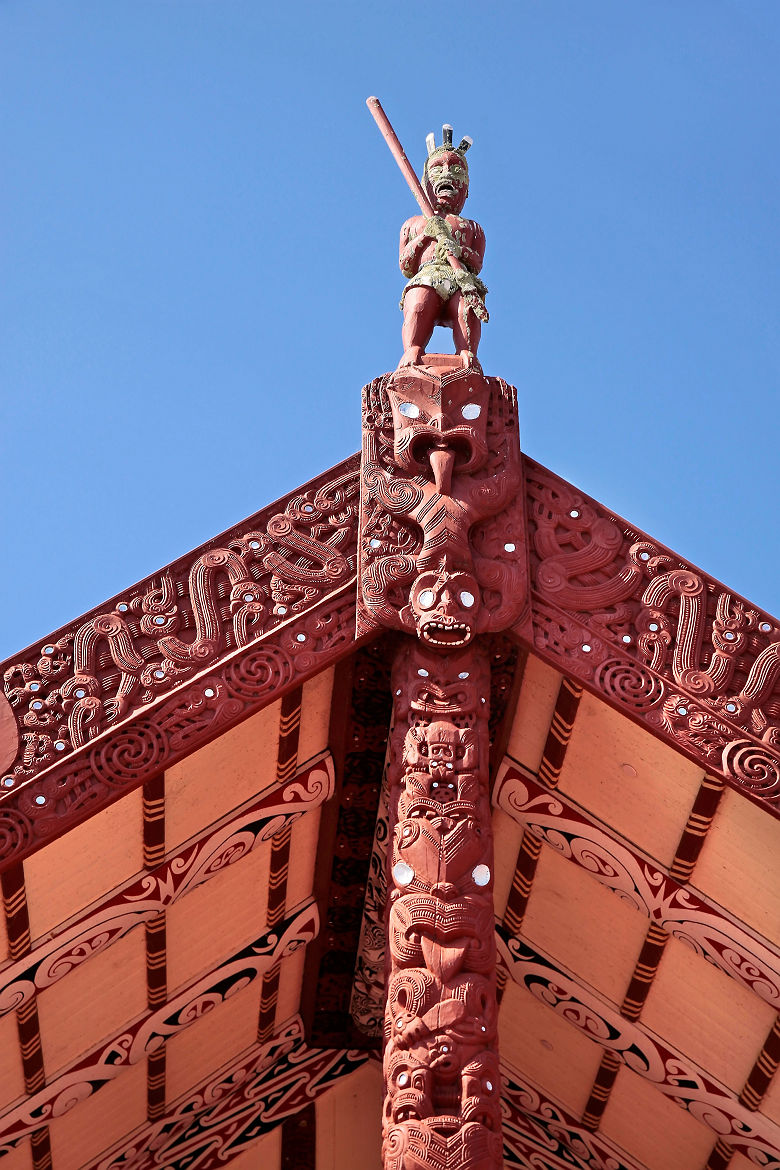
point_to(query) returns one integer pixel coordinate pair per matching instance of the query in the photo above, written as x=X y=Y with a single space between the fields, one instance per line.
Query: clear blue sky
x=200 y=261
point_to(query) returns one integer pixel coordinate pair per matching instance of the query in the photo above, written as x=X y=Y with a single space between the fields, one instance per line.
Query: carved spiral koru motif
x=629 y=683
x=15 y=831
x=265 y=669
x=753 y=766
x=129 y=752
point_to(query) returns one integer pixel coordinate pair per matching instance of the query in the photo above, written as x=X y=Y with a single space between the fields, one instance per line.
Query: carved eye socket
x=471 y=410
x=410 y=409
x=427 y=598
x=466 y=598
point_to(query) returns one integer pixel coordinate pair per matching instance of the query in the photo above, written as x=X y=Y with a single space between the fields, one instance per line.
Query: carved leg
x=466 y=329
x=421 y=310
x=442 y=1106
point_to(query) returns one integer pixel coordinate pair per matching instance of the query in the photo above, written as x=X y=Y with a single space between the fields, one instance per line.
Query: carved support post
x=442 y=558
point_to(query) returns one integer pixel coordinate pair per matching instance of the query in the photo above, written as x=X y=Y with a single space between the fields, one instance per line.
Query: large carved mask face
x=443 y=609
x=428 y=417
x=446 y=181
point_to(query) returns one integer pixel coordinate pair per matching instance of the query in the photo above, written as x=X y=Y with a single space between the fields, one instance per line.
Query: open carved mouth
x=444 y=1124
x=452 y=634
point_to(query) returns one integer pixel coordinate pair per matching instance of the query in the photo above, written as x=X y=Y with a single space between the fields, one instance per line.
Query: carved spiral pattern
x=752 y=766
x=629 y=684
x=264 y=670
x=15 y=831
x=136 y=749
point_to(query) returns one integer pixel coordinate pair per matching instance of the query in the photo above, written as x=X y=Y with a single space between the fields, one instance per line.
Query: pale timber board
x=719 y=1023
x=212 y=781
x=81 y=1135
x=534 y=712
x=652 y=1129
x=77 y=868
x=218 y=918
x=739 y=865
x=546 y=1049
x=93 y=1002
x=640 y=787
x=348 y=1117
x=315 y=715
x=582 y=925
x=219 y=1036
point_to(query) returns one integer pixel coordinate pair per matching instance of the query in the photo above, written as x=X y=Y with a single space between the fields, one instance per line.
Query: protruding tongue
x=442 y=461
x=444 y=959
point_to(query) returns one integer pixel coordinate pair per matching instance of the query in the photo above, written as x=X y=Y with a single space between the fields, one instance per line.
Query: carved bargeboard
x=631 y=620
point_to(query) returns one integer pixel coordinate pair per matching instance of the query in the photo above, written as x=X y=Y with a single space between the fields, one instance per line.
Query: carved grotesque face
x=444 y=607
x=445 y=758
x=456 y=419
x=447 y=181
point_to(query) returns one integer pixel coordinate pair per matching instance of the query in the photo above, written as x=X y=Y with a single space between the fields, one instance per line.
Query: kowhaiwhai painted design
x=151 y=1030
x=226 y=1113
x=143 y=898
x=540 y=1135
x=674 y=1075
x=641 y=882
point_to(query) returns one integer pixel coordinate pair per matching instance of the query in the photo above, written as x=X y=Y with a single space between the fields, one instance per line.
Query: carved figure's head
x=445 y=751
x=446 y=173
x=446 y=181
x=430 y=417
x=443 y=609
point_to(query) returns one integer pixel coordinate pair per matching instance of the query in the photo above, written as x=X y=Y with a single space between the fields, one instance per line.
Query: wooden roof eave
x=77 y=739
x=618 y=613
x=675 y=650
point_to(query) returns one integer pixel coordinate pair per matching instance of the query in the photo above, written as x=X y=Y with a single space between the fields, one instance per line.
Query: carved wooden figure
x=442 y=558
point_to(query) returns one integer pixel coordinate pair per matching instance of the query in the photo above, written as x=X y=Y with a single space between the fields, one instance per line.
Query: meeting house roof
x=193 y=826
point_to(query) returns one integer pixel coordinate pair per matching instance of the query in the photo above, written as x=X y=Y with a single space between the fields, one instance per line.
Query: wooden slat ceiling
x=192 y=975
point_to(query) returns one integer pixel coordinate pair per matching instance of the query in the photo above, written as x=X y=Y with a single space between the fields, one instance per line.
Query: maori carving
x=192 y=715
x=441 y=464
x=368 y=990
x=256 y=577
x=695 y=662
x=442 y=1107
x=441 y=253
x=442 y=558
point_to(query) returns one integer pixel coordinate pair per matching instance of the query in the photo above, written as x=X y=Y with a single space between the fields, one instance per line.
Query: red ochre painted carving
x=657 y=637
x=442 y=546
x=441 y=253
x=442 y=1106
x=92 y=675
x=442 y=557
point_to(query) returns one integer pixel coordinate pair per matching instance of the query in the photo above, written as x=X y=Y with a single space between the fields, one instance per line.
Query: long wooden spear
x=399 y=154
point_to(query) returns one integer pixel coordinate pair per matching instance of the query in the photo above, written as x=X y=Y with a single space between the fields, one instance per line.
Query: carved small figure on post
x=437 y=293
x=441 y=252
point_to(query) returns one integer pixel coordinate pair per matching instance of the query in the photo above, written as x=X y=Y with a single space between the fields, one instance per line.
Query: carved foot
x=413 y=356
x=469 y=360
